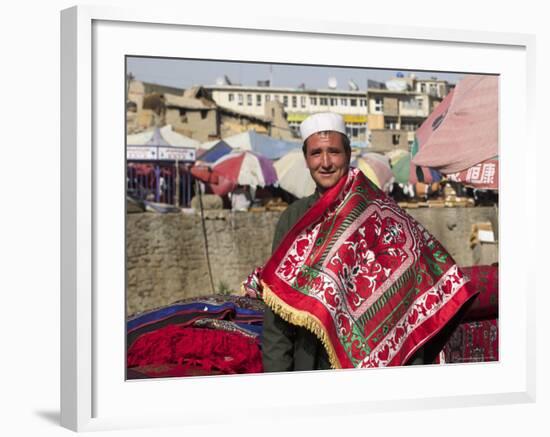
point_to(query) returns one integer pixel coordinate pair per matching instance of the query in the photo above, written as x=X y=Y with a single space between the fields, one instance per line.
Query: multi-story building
x=193 y=113
x=395 y=115
x=385 y=116
x=433 y=87
x=298 y=104
x=399 y=107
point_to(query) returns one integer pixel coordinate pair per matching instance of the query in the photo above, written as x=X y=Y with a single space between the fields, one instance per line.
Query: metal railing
x=159 y=182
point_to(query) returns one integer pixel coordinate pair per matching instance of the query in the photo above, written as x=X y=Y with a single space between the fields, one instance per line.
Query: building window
x=231 y=97
x=295 y=128
x=395 y=139
x=258 y=100
x=323 y=101
x=333 y=101
x=422 y=87
x=276 y=97
x=344 y=102
x=249 y=99
x=294 y=101
x=241 y=99
x=354 y=130
x=363 y=102
x=313 y=101
x=303 y=101
x=204 y=114
x=378 y=104
x=183 y=116
x=267 y=98
x=285 y=101
x=353 y=102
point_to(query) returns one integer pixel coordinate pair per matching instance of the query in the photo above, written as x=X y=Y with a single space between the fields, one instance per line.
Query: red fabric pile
x=175 y=350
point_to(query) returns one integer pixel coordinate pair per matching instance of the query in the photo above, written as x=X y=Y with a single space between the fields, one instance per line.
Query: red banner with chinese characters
x=483 y=175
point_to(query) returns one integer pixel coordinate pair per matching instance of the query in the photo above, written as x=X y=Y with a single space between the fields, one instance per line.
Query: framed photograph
x=96 y=393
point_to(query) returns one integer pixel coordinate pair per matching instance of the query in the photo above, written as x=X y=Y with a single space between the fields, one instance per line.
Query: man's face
x=326 y=158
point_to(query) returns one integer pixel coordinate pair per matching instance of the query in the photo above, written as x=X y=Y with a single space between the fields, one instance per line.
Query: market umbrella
x=218 y=183
x=377 y=168
x=294 y=175
x=246 y=168
x=404 y=171
x=214 y=153
x=162 y=136
x=462 y=131
x=395 y=154
x=261 y=144
x=482 y=176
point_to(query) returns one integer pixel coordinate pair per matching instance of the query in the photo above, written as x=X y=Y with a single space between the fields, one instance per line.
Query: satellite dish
x=223 y=80
x=352 y=85
x=332 y=83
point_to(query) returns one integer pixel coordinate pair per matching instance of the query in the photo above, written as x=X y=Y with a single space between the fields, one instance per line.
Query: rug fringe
x=300 y=318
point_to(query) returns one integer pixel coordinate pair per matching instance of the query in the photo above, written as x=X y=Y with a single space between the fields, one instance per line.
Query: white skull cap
x=324 y=121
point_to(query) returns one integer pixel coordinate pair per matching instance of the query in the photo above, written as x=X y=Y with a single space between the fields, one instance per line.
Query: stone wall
x=166 y=258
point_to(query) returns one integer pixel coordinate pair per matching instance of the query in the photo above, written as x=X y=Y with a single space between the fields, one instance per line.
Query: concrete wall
x=166 y=255
x=391 y=106
x=382 y=140
x=375 y=121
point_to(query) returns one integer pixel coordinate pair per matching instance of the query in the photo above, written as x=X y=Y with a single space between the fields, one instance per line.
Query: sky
x=183 y=73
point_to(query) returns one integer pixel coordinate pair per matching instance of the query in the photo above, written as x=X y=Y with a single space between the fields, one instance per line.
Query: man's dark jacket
x=285 y=346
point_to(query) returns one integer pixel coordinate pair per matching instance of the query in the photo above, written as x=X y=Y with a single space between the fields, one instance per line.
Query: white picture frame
x=94 y=395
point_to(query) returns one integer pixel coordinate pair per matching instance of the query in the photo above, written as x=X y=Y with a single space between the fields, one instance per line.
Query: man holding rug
x=353 y=280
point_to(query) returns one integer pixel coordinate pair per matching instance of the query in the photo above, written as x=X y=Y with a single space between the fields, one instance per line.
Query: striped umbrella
x=293 y=174
x=377 y=168
x=246 y=168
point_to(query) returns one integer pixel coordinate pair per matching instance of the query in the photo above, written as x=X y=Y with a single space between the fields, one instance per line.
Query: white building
x=385 y=116
x=298 y=103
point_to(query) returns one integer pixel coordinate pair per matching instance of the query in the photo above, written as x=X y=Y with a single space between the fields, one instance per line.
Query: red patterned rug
x=370 y=281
